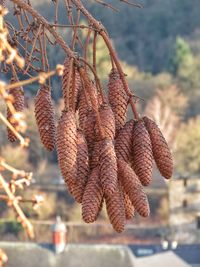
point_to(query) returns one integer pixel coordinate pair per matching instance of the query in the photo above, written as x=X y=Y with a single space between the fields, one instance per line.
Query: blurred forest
x=159 y=47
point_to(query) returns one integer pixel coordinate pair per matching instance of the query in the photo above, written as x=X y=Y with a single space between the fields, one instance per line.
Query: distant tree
x=166 y=108
x=186 y=68
x=182 y=58
x=188 y=148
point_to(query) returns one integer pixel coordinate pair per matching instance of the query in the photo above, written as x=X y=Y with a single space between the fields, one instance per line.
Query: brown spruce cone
x=65 y=79
x=133 y=188
x=89 y=130
x=82 y=109
x=45 y=117
x=95 y=155
x=66 y=140
x=92 y=198
x=108 y=167
x=117 y=98
x=161 y=151
x=18 y=97
x=108 y=121
x=142 y=153
x=129 y=209
x=82 y=167
x=116 y=211
x=123 y=142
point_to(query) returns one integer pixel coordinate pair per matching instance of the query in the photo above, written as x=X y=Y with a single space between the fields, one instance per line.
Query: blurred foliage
x=16 y=156
x=10 y=227
x=146 y=37
x=163 y=108
x=188 y=148
x=163 y=210
x=182 y=58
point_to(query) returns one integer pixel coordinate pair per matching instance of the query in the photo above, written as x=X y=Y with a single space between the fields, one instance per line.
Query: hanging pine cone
x=73 y=97
x=133 y=188
x=123 y=142
x=83 y=108
x=108 y=122
x=92 y=198
x=161 y=151
x=142 y=153
x=129 y=209
x=115 y=210
x=99 y=98
x=108 y=167
x=82 y=167
x=45 y=117
x=66 y=140
x=89 y=87
x=18 y=97
x=89 y=131
x=117 y=98
x=95 y=155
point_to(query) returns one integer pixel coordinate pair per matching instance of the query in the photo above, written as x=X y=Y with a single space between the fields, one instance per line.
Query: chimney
x=59 y=235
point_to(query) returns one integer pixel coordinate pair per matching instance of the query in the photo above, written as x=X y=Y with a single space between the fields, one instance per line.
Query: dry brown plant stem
x=42 y=76
x=94 y=102
x=99 y=27
x=23 y=5
x=23 y=142
x=14 y=202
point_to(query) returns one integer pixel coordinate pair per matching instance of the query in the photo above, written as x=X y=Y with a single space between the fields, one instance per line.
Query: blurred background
x=159 y=47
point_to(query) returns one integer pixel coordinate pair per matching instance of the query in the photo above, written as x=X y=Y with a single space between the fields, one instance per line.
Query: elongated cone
x=82 y=167
x=83 y=108
x=108 y=121
x=116 y=211
x=133 y=188
x=77 y=87
x=45 y=117
x=142 y=153
x=129 y=209
x=117 y=98
x=18 y=97
x=95 y=155
x=92 y=198
x=108 y=167
x=66 y=140
x=123 y=142
x=89 y=87
x=89 y=130
x=161 y=151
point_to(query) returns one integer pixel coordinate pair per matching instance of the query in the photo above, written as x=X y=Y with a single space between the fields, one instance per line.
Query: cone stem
x=97 y=81
x=91 y=93
x=101 y=30
x=71 y=63
x=24 y=6
x=73 y=86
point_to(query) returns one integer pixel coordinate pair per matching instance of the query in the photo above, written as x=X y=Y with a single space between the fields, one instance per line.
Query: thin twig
x=14 y=203
x=107 y=41
x=23 y=142
x=107 y=5
x=131 y=4
x=33 y=46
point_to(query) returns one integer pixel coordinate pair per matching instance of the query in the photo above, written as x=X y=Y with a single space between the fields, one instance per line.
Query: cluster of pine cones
x=113 y=168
